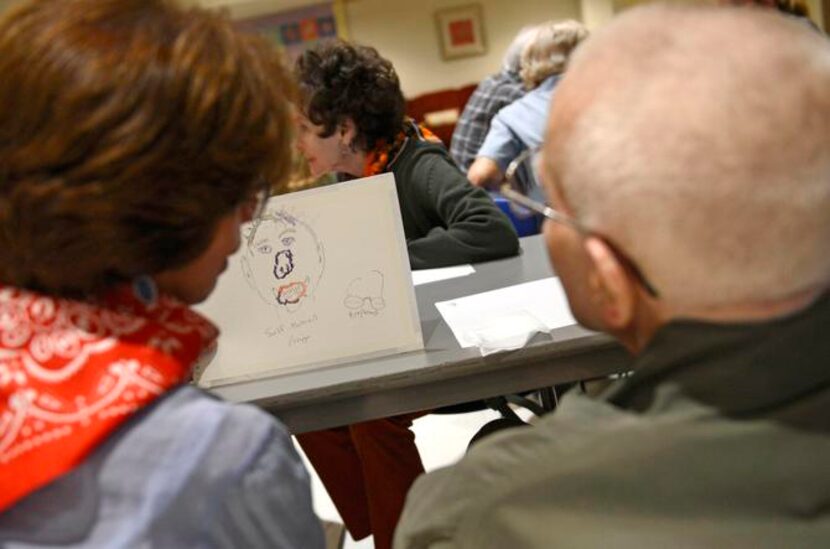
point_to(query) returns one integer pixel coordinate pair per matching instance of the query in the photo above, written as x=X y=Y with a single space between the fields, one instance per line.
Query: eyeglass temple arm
x=532 y=205
x=516 y=162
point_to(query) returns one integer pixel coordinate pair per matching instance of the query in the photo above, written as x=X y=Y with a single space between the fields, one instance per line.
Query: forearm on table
x=485 y=172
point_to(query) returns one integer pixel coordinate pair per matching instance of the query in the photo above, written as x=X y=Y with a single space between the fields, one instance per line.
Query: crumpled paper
x=505 y=332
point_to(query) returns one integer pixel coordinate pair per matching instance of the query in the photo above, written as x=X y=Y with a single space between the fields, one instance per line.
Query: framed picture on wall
x=461 y=31
x=295 y=30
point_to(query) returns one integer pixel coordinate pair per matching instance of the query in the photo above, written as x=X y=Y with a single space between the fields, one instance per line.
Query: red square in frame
x=461 y=31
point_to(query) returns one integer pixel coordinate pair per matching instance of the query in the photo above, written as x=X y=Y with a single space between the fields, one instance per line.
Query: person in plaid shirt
x=493 y=93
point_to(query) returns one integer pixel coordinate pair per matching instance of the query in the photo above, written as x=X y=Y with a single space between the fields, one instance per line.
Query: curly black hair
x=339 y=80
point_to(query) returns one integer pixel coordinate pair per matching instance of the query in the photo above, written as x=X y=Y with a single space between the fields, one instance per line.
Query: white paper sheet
x=506 y=318
x=322 y=277
x=425 y=276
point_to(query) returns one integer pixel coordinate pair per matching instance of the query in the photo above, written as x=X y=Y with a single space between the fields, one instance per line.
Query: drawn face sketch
x=283 y=260
x=365 y=294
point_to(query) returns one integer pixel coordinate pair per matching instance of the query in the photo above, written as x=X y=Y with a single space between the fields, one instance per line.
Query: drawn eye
x=288 y=241
x=264 y=249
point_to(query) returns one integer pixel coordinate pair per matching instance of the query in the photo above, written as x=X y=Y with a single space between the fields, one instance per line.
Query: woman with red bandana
x=135 y=138
x=351 y=121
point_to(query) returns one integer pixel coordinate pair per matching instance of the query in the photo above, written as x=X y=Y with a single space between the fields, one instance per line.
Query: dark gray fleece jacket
x=447 y=221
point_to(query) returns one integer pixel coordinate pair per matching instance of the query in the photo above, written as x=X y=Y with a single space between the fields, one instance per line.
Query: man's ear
x=610 y=285
x=347 y=130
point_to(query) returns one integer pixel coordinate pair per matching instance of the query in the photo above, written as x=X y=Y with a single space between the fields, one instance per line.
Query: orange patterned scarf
x=378 y=159
x=72 y=372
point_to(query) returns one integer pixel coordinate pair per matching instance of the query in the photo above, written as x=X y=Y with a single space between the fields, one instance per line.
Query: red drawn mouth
x=291 y=293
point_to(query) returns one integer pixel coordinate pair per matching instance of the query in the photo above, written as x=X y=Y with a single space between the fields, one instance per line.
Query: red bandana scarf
x=72 y=372
x=378 y=159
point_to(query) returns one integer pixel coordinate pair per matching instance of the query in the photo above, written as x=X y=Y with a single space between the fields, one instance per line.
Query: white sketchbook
x=322 y=277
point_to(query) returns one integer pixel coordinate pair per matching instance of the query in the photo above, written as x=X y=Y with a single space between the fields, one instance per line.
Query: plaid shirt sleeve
x=491 y=95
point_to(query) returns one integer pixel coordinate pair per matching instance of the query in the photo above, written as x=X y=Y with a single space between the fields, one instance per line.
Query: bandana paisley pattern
x=71 y=372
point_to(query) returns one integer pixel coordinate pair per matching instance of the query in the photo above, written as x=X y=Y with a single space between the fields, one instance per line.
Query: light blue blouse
x=189 y=471
x=520 y=125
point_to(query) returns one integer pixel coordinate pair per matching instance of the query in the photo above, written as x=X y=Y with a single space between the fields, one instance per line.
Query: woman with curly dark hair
x=135 y=138
x=352 y=122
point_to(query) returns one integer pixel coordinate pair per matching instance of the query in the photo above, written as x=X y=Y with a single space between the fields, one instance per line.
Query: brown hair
x=128 y=128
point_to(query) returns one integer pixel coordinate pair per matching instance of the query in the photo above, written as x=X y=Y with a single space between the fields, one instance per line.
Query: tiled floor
x=441 y=439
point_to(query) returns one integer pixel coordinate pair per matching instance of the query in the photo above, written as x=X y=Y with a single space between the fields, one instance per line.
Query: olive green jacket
x=720 y=439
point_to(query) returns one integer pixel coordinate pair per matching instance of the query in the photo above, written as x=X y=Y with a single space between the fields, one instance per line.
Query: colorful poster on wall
x=296 y=30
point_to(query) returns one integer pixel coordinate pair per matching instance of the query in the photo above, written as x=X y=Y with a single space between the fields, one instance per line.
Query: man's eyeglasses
x=523 y=205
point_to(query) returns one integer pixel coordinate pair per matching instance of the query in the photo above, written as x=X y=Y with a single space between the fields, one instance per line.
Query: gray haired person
x=491 y=95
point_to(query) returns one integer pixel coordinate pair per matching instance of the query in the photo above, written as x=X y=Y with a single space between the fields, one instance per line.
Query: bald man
x=689 y=160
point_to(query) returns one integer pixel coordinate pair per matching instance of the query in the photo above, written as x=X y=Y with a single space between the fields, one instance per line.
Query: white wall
x=405 y=33
x=813 y=6
x=596 y=13
x=249 y=8
x=816 y=12
x=404 y=30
